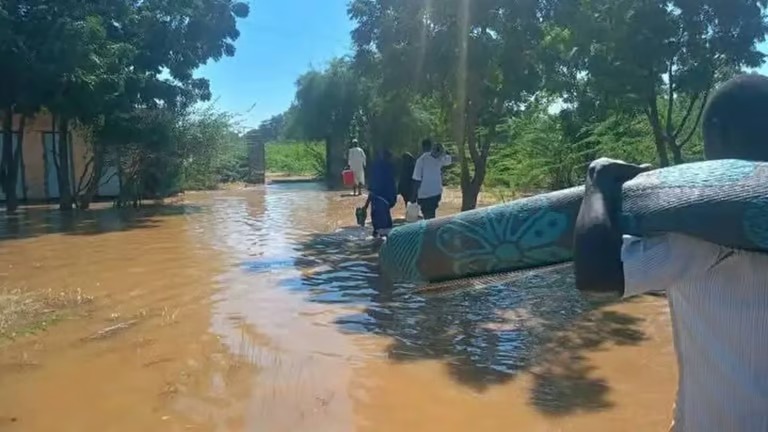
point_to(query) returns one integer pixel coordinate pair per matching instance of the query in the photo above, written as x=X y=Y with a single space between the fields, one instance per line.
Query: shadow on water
x=38 y=221
x=533 y=322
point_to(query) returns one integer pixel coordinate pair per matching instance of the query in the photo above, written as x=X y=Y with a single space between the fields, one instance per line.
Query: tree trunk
x=9 y=167
x=459 y=137
x=18 y=158
x=469 y=196
x=677 y=152
x=658 y=132
x=65 y=188
x=471 y=189
x=88 y=191
x=335 y=161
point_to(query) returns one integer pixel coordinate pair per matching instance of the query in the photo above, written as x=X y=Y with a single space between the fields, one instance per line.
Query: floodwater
x=261 y=310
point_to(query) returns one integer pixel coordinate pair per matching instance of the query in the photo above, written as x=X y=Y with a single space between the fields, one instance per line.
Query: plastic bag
x=361 y=214
x=412 y=211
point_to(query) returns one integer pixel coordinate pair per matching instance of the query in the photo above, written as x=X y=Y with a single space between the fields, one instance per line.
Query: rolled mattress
x=724 y=202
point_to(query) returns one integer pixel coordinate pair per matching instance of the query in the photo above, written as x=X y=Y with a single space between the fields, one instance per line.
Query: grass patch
x=23 y=313
x=295 y=158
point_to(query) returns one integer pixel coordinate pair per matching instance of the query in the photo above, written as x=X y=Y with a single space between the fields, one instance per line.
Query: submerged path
x=261 y=310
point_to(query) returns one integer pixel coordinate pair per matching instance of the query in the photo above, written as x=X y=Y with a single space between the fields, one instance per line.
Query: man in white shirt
x=718 y=296
x=428 y=177
x=356 y=162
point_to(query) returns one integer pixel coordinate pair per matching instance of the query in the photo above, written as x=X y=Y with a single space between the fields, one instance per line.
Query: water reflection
x=42 y=220
x=303 y=363
x=263 y=310
x=484 y=336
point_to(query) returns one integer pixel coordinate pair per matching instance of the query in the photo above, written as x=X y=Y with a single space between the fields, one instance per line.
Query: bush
x=296 y=158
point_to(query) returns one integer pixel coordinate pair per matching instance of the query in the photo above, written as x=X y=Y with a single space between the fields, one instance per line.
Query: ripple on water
x=290 y=287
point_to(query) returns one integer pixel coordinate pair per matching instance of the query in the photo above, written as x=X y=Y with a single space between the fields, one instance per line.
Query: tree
x=85 y=61
x=209 y=148
x=176 y=37
x=20 y=90
x=661 y=57
x=273 y=128
x=326 y=103
x=480 y=59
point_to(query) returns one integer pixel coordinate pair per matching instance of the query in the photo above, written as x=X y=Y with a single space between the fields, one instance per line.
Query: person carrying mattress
x=718 y=296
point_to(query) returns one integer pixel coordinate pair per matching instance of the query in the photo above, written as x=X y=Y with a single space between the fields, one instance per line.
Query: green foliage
x=327 y=102
x=540 y=153
x=163 y=151
x=273 y=128
x=99 y=63
x=651 y=57
x=296 y=158
x=211 y=151
x=479 y=60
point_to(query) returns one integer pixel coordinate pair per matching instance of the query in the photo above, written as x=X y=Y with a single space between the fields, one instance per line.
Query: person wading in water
x=382 y=194
x=428 y=178
x=356 y=161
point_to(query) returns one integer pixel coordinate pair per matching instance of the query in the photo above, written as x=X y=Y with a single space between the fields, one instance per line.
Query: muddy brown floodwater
x=261 y=310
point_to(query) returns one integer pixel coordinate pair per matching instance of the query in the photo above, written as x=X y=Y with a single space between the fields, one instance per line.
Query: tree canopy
x=88 y=61
x=661 y=57
x=529 y=80
x=524 y=92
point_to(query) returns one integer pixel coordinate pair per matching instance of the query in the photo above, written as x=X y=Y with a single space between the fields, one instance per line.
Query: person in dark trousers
x=428 y=177
x=718 y=296
x=405 y=185
x=382 y=194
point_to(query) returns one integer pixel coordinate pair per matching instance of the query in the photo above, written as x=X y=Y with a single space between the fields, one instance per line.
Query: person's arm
x=597 y=237
x=417 y=177
x=446 y=160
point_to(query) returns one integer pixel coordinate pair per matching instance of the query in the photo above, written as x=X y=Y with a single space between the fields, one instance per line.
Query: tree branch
x=110 y=177
x=486 y=147
x=80 y=186
x=698 y=119
x=471 y=134
x=670 y=99
x=19 y=141
x=55 y=151
x=687 y=115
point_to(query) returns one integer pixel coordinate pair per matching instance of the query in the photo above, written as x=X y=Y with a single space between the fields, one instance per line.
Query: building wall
x=33 y=155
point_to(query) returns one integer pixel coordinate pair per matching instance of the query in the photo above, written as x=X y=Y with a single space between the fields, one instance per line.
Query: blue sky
x=280 y=40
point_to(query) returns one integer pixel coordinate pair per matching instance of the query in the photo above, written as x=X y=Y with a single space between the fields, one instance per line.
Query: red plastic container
x=348 y=177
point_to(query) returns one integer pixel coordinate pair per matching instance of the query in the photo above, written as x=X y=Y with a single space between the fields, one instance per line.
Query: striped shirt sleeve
x=657 y=263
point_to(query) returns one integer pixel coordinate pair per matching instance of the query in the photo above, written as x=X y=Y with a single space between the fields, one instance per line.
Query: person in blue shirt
x=382 y=194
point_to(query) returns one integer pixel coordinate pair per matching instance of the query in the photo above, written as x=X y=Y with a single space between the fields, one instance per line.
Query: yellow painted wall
x=34 y=163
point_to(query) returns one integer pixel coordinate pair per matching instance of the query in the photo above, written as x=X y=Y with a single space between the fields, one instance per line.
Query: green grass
x=295 y=158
